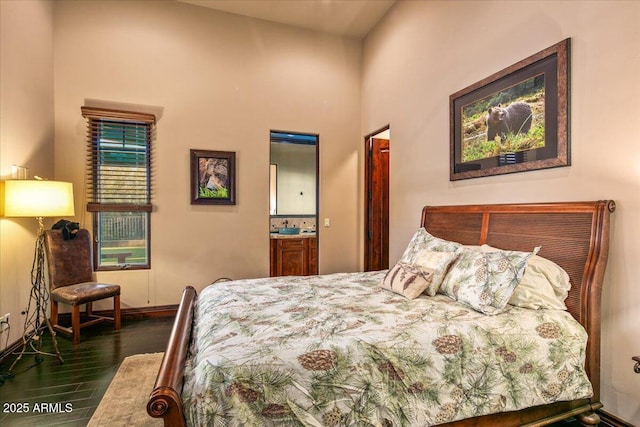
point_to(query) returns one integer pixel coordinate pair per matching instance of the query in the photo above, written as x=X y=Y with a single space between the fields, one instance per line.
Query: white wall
x=26 y=138
x=296 y=178
x=222 y=82
x=424 y=51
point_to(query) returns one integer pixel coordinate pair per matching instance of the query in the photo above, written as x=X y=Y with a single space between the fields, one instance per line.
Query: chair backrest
x=70 y=260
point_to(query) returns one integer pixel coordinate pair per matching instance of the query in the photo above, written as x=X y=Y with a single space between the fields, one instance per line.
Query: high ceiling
x=350 y=18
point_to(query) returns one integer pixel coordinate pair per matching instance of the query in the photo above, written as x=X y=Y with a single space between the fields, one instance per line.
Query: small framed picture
x=514 y=120
x=213 y=177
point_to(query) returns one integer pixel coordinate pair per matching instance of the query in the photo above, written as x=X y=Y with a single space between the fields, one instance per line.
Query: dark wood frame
x=575 y=235
x=554 y=63
x=230 y=157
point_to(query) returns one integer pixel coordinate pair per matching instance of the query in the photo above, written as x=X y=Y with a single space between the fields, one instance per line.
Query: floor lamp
x=37 y=199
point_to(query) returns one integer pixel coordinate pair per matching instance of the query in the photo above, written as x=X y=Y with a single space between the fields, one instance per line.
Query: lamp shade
x=34 y=198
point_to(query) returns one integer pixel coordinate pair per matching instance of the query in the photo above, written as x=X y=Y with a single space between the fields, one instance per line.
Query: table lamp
x=38 y=199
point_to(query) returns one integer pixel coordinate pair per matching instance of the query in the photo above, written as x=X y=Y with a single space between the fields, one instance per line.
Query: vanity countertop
x=292 y=236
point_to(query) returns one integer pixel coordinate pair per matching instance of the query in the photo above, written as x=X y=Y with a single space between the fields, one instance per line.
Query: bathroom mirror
x=293 y=174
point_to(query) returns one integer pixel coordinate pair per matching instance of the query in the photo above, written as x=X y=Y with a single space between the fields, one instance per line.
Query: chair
x=71 y=282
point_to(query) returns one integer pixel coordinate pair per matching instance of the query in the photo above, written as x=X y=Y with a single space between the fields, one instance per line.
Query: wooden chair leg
x=89 y=309
x=54 y=313
x=75 y=324
x=116 y=312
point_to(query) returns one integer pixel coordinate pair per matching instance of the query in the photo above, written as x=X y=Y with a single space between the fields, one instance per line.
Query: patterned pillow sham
x=435 y=261
x=485 y=280
x=422 y=240
x=407 y=280
x=544 y=284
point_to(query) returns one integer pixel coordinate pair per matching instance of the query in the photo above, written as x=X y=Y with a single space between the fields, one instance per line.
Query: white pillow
x=435 y=261
x=544 y=284
x=422 y=240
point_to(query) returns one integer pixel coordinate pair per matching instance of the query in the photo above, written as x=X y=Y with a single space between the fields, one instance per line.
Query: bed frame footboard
x=165 y=401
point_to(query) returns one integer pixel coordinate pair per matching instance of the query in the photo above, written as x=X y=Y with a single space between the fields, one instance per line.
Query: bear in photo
x=516 y=118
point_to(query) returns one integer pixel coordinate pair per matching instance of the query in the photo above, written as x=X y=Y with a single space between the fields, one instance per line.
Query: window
x=119 y=186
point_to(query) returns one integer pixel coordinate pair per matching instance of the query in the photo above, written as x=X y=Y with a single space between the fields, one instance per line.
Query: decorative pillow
x=485 y=280
x=435 y=261
x=544 y=284
x=407 y=280
x=422 y=240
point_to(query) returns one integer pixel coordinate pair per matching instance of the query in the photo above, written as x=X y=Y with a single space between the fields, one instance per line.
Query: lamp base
x=33 y=341
x=36 y=319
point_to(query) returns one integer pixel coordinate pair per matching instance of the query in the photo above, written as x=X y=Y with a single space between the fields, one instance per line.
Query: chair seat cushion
x=84 y=292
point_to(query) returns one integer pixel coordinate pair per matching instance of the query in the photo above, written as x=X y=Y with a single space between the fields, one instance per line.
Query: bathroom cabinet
x=293 y=256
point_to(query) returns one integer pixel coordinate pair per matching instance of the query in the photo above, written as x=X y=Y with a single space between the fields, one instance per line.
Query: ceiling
x=349 y=18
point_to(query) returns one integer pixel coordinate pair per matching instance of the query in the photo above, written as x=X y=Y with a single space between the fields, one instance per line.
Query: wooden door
x=377 y=204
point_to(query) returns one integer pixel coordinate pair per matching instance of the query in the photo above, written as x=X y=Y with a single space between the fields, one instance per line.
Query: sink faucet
x=286 y=223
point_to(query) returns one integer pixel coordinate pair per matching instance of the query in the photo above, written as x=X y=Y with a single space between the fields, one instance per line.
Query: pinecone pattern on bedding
x=244 y=393
x=318 y=360
x=549 y=330
x=273 y=410
x=447 y=344
x=392 y=371
x=447 y=412
x=333 y=418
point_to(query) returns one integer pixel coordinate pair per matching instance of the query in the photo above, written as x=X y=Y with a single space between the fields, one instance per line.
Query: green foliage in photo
x=220 y=193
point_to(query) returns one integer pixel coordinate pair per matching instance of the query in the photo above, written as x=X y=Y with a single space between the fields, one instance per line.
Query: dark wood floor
x=82 y=379
x=84 y=376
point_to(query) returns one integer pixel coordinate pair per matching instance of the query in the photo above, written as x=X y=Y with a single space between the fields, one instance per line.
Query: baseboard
x=129 y=313
x=609 y=420
x=14 y=347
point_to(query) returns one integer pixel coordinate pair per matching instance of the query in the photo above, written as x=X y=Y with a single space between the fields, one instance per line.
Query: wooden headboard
x=575 y=235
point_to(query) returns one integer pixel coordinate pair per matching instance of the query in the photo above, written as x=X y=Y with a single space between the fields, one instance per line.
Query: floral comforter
x=337 y=350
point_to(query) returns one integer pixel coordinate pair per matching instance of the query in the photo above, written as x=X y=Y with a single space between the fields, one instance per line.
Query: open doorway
x=293 y=195
x=376 y=176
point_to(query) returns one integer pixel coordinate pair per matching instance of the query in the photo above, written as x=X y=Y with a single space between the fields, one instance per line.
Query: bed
x=419 y=388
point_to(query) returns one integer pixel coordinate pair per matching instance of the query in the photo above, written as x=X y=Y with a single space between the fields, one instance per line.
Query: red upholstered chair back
x=70 y=260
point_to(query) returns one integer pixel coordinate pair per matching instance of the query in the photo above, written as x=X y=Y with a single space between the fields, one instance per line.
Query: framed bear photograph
x=213 y=177
x=514 y=120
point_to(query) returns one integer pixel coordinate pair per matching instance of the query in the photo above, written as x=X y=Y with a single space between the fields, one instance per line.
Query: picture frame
x=515 y=120
x=213 y=177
